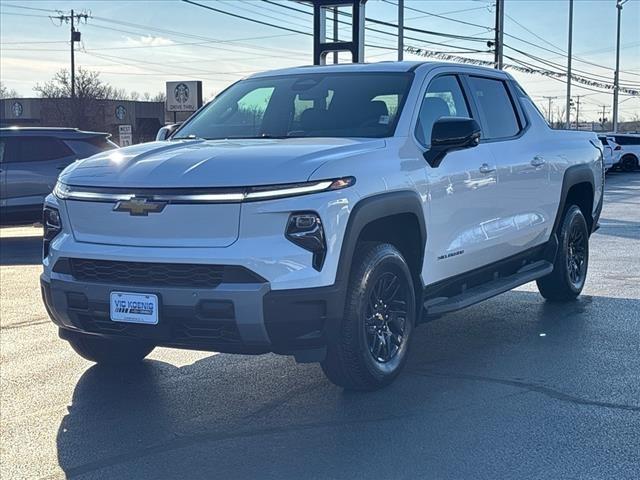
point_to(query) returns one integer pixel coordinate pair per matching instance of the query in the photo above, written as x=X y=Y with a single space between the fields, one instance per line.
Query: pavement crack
x=532 y=387
x=25 y=323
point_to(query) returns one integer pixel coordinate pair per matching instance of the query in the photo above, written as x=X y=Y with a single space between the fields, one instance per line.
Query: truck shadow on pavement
x=20 y=250
x=470 y=377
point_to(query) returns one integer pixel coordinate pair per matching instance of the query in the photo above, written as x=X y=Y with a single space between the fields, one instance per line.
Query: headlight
x=203 y=195
x=305 y=230
x=52 y=227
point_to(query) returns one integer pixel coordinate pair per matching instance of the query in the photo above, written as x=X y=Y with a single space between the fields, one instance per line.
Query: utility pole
x=616 y=77
x=400 y=30
x=335 y=33
x=578 y=111
x=569 y=64
x=75 y=37
x=549 y=114
x=603 y=119
x=499 y=30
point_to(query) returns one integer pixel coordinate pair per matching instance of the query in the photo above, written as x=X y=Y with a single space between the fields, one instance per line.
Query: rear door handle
x=538 y=161
x=485 y=168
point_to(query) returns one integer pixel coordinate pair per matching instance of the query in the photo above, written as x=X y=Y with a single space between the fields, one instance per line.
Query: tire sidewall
x=387 y=259
x=573 y=216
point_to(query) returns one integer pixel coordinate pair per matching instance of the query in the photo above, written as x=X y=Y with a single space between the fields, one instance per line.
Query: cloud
x=148 y=41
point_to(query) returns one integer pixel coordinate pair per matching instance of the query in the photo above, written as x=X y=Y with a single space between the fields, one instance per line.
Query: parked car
x=629 y=151
x=610 y=151
x=321 y=212
x=32 y=158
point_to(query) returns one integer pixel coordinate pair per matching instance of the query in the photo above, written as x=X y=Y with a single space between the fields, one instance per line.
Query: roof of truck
x=379 y=67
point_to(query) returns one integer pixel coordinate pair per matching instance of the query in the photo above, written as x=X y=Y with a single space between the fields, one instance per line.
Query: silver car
x=31 y=160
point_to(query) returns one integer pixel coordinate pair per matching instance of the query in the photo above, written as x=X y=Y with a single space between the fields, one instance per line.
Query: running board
x=439 y=306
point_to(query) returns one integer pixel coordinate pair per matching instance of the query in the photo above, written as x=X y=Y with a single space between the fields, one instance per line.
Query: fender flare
x=573 y=176
x=374 y=208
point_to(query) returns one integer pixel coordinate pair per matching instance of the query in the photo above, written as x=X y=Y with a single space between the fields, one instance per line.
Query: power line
x=30 y=8
x=393 y=34
x=254 y=20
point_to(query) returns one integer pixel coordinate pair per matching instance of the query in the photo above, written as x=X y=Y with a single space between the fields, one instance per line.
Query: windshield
x=311 y=105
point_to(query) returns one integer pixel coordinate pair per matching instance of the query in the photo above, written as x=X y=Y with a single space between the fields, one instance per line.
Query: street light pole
x=73 y=59
x=400 y=30
x=568 y=122
x=499 y=34
x=616 y=77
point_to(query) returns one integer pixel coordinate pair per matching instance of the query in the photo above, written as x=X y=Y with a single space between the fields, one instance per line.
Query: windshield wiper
x=188 y=137
x=264 y=135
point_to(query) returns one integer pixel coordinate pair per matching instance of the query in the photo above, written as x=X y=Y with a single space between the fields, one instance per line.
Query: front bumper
x=245 y=318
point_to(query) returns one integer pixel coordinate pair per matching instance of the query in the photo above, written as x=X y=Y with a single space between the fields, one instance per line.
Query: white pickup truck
x=321 y=212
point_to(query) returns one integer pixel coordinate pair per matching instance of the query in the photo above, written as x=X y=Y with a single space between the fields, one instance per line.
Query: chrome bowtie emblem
x=139 y=207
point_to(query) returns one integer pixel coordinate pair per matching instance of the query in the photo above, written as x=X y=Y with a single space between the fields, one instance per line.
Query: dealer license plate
x=134 y=308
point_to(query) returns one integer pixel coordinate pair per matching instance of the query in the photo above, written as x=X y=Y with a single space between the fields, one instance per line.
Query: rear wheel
x=629 y=163
x=572 y=261
x=373 y=340
x=106 y=350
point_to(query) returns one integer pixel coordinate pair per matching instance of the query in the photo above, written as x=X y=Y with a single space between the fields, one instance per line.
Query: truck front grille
x=155 y=274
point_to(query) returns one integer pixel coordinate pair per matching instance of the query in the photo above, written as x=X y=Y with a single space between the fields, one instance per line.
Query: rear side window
x=496 y=108
x=36 y=149
x=627 y=140
x=443 y=98
x=89 y=146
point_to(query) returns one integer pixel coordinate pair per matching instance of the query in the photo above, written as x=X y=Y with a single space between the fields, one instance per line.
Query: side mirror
x=165 y=132
x=450 y=134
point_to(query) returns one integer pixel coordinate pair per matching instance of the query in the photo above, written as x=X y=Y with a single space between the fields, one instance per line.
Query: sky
x=139 y=45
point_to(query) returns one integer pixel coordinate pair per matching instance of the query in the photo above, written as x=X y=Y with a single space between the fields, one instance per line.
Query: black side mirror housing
x=450 y=134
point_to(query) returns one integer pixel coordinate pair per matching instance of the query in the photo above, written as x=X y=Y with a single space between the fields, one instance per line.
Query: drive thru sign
x=125 y=134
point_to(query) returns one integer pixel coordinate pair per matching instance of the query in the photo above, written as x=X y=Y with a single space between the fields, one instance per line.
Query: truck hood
x=213 y=163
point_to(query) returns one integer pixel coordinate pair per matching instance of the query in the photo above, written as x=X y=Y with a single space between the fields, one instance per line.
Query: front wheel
x=572 y=261
x=107 y=351
x=373 y=340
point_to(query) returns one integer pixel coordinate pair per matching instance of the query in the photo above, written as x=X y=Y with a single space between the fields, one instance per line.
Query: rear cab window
x=496 y=108
x=627 y=140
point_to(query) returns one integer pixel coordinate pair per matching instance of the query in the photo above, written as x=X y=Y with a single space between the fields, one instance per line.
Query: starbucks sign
x=184 y=96
x=17 y=109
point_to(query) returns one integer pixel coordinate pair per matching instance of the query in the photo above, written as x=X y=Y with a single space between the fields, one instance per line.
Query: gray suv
x=31 y=160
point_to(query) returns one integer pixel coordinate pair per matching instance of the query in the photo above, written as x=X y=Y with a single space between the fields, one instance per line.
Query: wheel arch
x=578 y=187
x=389 y=217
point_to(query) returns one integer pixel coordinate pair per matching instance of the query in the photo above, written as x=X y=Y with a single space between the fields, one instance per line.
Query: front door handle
x=485 y=168
x=538 y=161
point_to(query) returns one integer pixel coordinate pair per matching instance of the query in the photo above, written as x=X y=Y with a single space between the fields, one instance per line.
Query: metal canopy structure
x=321 y=46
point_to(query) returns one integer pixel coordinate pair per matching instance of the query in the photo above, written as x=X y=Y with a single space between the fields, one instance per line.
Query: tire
x=628 y=163
x=358 y=359
x=106 y=351
x=572 y=261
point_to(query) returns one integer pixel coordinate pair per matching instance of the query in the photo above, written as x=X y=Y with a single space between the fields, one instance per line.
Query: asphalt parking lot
x=511 y=388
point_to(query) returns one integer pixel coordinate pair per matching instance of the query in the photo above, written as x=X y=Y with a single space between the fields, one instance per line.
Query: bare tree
x=85 y=110
x=135 y=96
x=6 y=92
x=159 y=97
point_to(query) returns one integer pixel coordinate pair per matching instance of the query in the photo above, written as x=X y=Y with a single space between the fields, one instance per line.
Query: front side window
x=306 y=105
x=495 y=107
x=443 y=98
